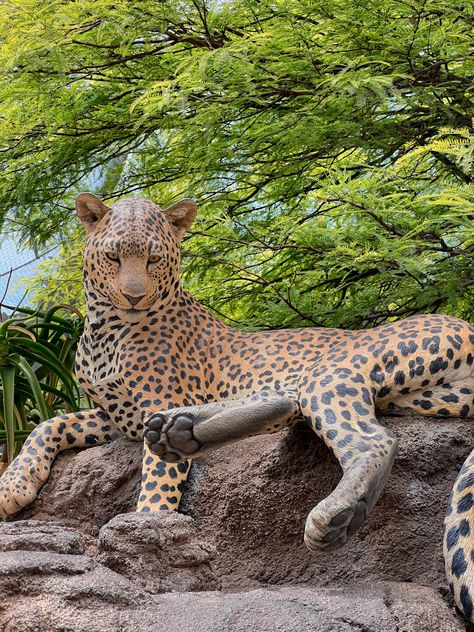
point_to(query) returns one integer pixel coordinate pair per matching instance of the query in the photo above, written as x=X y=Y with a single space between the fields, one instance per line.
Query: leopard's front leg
x=21 y=481
x=162 y=483
x=179 y=433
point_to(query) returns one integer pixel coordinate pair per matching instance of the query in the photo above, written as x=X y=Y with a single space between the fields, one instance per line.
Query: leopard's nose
x=133 y=300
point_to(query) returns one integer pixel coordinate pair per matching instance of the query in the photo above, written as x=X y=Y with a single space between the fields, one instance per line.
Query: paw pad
x=323 y=534
x=171 y=438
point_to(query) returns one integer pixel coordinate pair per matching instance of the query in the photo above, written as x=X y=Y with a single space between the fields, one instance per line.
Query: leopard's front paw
x=171 y=437
x=17 y=489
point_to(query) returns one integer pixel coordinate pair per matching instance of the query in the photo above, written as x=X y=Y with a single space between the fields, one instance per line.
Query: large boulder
x=87 y=488
x=161 y=552
x=246 y=506
x=251 y=500
x=82 y=596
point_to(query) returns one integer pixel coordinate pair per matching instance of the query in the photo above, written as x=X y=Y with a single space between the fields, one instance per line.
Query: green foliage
x=329 y=144
x=59 y=279
x=36 y=372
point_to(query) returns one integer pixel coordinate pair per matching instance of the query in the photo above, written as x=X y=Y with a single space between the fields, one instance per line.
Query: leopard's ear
x=90 y=210
x=181 y=215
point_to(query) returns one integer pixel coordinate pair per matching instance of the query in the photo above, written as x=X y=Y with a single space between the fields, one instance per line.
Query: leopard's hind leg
x=449 y=399
x=340 y=394
x=338 y=402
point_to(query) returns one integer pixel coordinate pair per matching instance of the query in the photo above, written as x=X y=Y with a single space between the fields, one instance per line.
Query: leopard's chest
x=100 y=370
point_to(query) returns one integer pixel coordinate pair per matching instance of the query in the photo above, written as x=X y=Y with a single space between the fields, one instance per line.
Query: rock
x=21 y=563
x=250 y=502
x=98 y=601
x=90 y=487
x=43 y=591
x=361 y=608
x=34 y=535
x=160 y=552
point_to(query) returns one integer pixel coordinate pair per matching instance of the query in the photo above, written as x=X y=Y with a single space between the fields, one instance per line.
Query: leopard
x=161 y=368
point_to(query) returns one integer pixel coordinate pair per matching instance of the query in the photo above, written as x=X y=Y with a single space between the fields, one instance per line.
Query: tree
x=329 y=144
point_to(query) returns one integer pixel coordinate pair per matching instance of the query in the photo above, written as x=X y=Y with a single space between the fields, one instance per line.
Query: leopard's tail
x=459 y=539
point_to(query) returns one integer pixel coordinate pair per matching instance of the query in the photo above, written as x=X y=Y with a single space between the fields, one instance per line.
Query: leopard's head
x=132 y=253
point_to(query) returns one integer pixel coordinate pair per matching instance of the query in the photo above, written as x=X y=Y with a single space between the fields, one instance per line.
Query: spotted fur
x=155 y=362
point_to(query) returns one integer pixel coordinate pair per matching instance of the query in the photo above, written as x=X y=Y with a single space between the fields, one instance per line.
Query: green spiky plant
x=36 y=372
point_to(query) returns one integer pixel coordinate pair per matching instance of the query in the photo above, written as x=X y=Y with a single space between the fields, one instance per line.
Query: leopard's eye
x=113 y=256
x=154 y=258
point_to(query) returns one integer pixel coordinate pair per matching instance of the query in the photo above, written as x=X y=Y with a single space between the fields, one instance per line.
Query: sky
x=22 y=264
